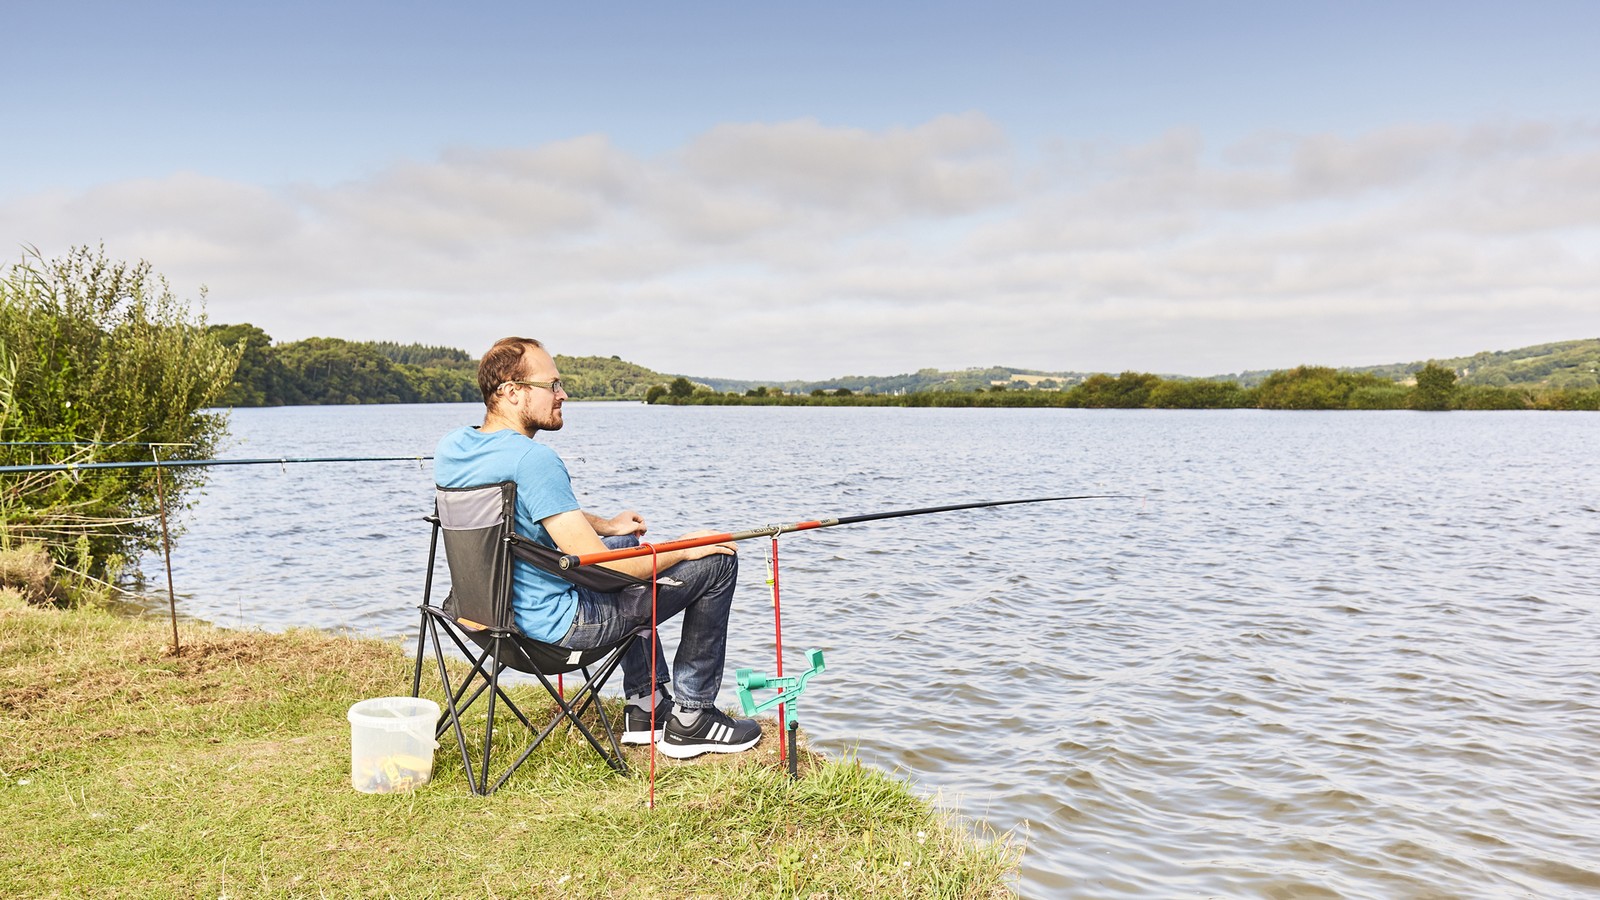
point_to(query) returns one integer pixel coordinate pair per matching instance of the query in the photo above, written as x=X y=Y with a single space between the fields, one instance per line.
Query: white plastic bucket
x=391 y=744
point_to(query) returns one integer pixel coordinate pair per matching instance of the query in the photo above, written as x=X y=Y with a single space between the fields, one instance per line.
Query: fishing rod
x=573 y=560
x=190 y=463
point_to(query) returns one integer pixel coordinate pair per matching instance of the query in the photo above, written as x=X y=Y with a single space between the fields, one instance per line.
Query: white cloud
x=798 y=249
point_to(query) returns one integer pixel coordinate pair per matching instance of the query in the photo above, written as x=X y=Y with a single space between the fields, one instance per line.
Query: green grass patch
x=224 y=771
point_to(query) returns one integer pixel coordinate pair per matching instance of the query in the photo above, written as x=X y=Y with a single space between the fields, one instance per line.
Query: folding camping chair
x=480 y=543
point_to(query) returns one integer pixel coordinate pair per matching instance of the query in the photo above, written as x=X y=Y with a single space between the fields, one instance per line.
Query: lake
x=1306 y=655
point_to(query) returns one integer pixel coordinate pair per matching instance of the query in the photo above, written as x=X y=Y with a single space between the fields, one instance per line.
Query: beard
x=550 y=421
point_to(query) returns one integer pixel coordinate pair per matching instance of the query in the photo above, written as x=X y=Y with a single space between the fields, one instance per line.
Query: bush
x=27 y=569
x=1436 y=388
x=1130 y=390
x=1314 y=387
x=100 y=359
x=1383 y=396
x=1200 y=394
x=1486 y=397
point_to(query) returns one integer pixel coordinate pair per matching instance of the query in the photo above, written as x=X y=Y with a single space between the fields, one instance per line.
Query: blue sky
x=805 y=190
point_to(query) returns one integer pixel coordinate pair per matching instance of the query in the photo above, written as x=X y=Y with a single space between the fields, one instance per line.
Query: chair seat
x=524 y=654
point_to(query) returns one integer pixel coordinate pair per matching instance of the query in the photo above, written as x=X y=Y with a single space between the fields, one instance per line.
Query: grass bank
x=224 y=772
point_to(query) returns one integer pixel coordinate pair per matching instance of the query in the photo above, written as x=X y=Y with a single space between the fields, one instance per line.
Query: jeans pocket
x=634 y=605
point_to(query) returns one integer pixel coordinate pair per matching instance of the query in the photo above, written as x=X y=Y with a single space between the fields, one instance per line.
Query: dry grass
x=27 y=570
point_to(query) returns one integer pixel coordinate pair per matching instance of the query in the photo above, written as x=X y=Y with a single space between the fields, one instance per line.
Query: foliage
x=1436 y=388
x=1482 y=396
x=331 y=370
x=1312 y=387
x=1130 y=390
x=1564 y=364
x=424 y=356
x=1200 y=394
x=1569 y=400
x=605 y=378
x=261 y=378
x=101 y=358
x=1380 y=396
x=1306 y=387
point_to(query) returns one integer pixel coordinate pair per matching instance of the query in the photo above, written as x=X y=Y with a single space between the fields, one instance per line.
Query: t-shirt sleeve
x=543 y=486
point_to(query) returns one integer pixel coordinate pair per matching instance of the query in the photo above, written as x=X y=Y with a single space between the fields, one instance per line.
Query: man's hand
x=725 y=548
x=626 y=522
x=578 y=533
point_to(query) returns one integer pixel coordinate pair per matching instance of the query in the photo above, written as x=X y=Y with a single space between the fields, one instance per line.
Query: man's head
x=521 y=385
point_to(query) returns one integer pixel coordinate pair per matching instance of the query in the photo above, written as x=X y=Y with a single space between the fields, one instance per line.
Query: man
x=522 y=395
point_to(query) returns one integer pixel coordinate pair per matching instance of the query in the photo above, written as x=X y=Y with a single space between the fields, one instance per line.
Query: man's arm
x=573 y=533
x=625 y=522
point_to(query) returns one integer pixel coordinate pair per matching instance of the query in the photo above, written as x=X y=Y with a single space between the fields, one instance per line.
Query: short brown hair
x=501 y=364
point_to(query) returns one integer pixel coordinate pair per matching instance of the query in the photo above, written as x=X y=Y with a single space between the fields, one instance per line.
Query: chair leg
x=484 y=676
x=422 y=644
x=453 y=710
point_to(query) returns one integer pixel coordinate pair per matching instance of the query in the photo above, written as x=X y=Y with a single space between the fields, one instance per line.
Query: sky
x=800 y=191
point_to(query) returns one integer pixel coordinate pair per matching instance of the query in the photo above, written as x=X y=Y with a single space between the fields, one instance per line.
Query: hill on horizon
x=333 y=370
x=1563 y=364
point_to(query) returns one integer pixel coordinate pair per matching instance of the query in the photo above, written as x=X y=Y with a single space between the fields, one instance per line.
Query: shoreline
x=226 y=769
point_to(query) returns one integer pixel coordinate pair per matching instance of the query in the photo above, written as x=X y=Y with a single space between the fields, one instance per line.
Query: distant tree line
x=334 y=371
x=323 y=370
x=1434 y=387
x=331 y=370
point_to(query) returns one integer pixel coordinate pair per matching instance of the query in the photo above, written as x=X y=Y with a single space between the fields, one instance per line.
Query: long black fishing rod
x=191 y=463
x=573 y=560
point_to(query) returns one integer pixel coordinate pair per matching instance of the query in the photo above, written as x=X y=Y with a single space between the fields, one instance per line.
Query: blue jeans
x=701 y=589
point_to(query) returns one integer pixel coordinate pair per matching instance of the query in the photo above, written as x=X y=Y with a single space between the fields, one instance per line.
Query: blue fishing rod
x=194 y=463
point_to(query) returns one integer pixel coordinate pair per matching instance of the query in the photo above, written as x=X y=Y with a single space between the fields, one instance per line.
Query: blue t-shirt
x=543 y=604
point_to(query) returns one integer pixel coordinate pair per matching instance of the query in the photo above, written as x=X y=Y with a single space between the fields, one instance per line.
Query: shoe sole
x=690 y=751
x=641 y=737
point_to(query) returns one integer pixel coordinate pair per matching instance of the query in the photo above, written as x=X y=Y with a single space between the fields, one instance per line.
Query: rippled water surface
x=1320 y=654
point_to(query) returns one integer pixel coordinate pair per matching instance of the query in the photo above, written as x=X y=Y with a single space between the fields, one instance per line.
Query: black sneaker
x=636 y=723
x=713 y=732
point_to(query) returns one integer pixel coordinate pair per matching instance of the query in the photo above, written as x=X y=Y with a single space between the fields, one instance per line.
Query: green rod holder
x=790 y=688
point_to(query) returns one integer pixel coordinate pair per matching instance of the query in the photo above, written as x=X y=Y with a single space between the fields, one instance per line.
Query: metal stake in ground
x=166 y=542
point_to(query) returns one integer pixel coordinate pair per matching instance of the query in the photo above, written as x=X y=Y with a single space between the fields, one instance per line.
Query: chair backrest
x=480 y=539
x=477 y=523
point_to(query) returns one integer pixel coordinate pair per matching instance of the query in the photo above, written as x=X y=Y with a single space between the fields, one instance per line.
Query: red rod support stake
x=777 y=635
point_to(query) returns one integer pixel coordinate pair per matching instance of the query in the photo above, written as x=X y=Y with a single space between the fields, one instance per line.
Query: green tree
x=101 y=353
x=1488 y=397
x=261 y=378
x=681 y=388
x=1436 y=388
x=1130 y=390
x=1198 y=394
x=1313 y=387
x=332 y=370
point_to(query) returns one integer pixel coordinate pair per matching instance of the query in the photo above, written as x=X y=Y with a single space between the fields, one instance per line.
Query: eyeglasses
x=554 y=387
